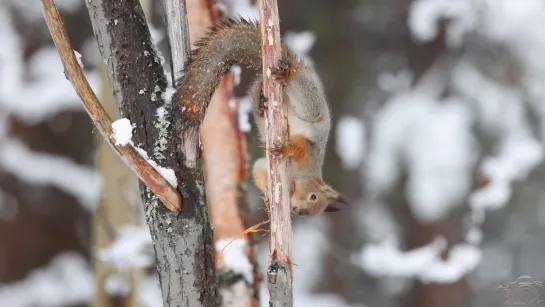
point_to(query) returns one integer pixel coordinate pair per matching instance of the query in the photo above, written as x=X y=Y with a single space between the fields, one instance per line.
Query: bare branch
x=159 y=185
x=178 y=29
x=280 y=270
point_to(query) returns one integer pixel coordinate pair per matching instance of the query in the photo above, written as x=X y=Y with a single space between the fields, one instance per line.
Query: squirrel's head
x=313 y=196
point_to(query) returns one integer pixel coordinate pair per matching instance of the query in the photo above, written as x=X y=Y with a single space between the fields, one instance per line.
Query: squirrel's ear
x=336 y=204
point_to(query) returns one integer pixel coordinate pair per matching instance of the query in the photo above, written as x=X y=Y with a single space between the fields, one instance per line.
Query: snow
x=425 y=15
x=166 y=172
x=240 y=8
x=131 y=249
x=150 y=292
x=439 y=161
x=517 y=157
x=236 y=70
x=507 y=22
x=244 y=110
x=48 y=93
x=67 y=280
x=393 y=83
x=45 y=169
x=117 y=285
x=503 y=114
x=350 y=146
x=377 y=222
x=78 y=57
x=234 y=257
x=424 y=263
x=474 y=236
x=122 y=131
x=300 y=43
x=167 y=94
x=32 y=10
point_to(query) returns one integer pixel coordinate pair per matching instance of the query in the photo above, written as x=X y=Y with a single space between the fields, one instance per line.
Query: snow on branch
x=439 y=161
x=36 y=168
x=425 y=263
x=133 y=248
x=144 y=170
x=73 y=284
x=45 y=93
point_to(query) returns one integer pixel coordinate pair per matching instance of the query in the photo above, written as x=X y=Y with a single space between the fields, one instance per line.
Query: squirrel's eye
x=313 y=197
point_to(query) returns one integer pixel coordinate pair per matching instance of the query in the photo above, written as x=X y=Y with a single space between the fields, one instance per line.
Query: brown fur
x=239 y=42
x=229 y=43
x=298 y=149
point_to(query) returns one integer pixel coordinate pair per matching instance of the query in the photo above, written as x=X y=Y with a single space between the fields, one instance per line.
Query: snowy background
x=439 y=109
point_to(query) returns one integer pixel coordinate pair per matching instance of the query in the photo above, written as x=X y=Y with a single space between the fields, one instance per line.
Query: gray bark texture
x=183 y=243
x=279 y=280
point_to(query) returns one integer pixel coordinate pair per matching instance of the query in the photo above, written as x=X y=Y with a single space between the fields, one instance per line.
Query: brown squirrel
x=239 y=42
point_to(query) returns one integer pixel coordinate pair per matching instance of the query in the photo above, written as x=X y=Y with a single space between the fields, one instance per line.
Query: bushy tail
x=232 y=42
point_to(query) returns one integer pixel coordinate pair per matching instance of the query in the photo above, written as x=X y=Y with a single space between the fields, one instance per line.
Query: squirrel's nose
x=342 y=200
x=336 y=204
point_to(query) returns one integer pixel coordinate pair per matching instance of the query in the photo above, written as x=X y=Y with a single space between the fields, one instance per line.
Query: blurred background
x=438 y=109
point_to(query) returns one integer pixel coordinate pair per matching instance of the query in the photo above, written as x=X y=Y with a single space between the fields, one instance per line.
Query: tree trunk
x=183 y=243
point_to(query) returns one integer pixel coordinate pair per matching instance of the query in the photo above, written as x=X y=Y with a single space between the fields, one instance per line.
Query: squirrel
x=239 y=42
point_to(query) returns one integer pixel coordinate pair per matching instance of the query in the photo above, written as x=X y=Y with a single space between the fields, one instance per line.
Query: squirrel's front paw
x=278 y=151
x=262 y=106
x=281 y=73
x=267 y=204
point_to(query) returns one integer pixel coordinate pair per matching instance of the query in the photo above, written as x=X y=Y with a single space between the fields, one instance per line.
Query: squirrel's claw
x=277 y=151
x=262 y=106
x=281 y=73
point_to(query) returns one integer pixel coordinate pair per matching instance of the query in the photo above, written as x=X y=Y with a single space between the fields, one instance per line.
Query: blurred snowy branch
x=424 y=263
x=432 y=134
x=33 y=100
x=67 y=280
x=132 y=248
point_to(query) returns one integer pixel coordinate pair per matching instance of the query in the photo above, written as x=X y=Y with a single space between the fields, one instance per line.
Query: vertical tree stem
x=178 y=34
x=280 y=270
x=183 y=243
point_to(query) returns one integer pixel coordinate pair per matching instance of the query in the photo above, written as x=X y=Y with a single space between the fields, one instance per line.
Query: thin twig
x=280 y=271
x=149 y=175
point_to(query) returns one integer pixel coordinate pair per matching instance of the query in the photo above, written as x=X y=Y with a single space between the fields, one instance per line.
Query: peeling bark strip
x=159 y=185
x=279 y=186
x=224 y=163
x=224 y=158
x=183 y=243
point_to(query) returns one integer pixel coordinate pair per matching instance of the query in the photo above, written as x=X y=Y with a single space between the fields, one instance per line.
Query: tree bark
x=183 y=243
x=280 y=271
